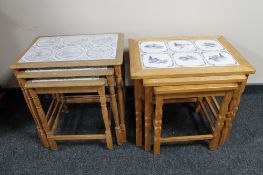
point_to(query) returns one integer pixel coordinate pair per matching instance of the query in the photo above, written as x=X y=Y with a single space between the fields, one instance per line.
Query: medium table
x=183 y=60
x=66 y=56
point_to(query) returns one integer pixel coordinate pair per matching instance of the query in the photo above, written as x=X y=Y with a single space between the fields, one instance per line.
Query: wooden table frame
x=140 y=75
x=149 y=84
x=116 y=63
x=50 y=120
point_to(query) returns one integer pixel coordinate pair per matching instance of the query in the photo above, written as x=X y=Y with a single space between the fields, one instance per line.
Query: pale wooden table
x=56 y=52
x=149 y=76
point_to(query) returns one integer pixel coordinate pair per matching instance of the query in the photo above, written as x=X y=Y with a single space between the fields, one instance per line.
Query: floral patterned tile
x=69 y=48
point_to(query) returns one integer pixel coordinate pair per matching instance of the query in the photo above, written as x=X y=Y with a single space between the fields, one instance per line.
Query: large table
x=69 y=56
x=191 y=60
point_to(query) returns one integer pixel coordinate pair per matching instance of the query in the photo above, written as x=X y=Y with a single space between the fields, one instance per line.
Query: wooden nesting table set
x=78 y=64
x=186 y=69
x=165 y=70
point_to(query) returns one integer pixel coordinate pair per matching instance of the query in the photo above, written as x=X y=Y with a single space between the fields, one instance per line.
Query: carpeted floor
x=22 y=153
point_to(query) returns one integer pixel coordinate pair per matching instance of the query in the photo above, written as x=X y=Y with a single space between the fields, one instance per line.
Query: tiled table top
x=185 y=56
x=184 y=53
x=89 y=50
x=68 y=48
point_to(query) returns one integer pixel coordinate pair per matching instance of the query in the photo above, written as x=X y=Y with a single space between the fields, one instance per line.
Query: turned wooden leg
x=104 y=111
x=114 y=108
x=148 y=117
x=229 y=116
x=158 y=123
x=220 y=120
x=41 y=133
x=119 y=83
x=198 y=104
x=138 y=110
x=233 y=108
x=41 y=114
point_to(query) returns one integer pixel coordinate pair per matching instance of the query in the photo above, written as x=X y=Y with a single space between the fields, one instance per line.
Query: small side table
x=165 y=58
x=74 y=51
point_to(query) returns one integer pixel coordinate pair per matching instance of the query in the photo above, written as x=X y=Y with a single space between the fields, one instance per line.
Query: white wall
x=240 y=21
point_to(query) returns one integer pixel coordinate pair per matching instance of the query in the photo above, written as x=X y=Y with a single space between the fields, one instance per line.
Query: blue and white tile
x=181 y=46
x=208 y=45
x=153 y=47
x=158 y=60
x=191 y=59
x=220 y=58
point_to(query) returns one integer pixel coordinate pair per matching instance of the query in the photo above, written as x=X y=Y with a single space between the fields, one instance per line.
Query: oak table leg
x=220 y=121
x=119 y=83
x=105 y=117
x=41 y=132
x=138 y=110
x=158 y=124
x=148 y=117
x=114 y=108
x=233 y=108
x=41 y=114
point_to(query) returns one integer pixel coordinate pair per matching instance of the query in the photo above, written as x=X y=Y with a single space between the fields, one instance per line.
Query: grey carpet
x=22 y=153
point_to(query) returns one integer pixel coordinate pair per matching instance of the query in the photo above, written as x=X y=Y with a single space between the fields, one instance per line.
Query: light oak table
x=163 y=61
x=54 y=56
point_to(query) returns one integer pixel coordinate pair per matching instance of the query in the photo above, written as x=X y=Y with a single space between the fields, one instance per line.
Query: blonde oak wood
x=84 y=99
x=49 y=128
x=215 y=102
x=77 y=83
x=115 y=111
x=194 y=80
x=104 y=111
x=119 y=84
x=233 y=108
x=41 y=113
x=41 y=131
x=138 y=110
x=79 y=137
x=57 y=118
x=28 y=99
x=77 y=99
x=186 y=138
x=158 y=124
x=228 y=88
x=137 y=71
x=195 y=88
x=190 y=94
x=110 y=63
x=64 y=74
x=207 y=116
x=220 y=120
x=51 y=115
x=207 y=100
x=148 y=117
x=51 y=107
x=187 y=76
x=198 y=104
